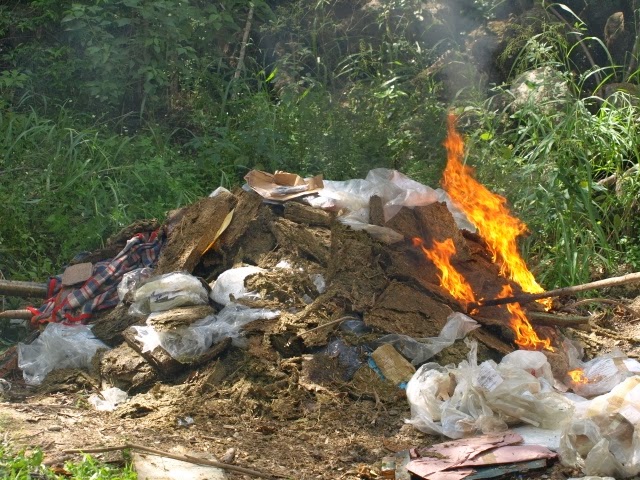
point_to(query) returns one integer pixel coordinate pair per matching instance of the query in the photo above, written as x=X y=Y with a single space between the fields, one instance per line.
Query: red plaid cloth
x=101 y=290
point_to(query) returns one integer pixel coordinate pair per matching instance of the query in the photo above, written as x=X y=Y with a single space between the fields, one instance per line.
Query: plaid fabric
x=101 y=290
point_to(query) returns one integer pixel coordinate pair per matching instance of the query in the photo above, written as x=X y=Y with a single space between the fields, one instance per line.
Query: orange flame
x=526 y=336
x=489 y=213
x=440 y=254
x=578 y=376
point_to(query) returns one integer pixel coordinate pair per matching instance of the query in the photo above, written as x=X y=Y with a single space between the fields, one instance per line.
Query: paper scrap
x=282 y=186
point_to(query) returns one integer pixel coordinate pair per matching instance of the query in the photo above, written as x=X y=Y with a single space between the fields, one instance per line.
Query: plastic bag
x=187 y=343
x=420 y=350
x=444 y=401
x=108 y=399
x=131 y=280
x=394 y=188
x=58 y=346
x=472 y=398
x=168 y=291
x=605 y=372
x=231 y=283
x=603 y=438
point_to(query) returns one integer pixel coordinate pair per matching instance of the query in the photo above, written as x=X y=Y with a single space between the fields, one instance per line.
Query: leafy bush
x=25 y=466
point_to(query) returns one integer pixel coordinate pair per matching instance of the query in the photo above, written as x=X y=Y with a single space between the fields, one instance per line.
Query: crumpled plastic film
x=603 y=437
x=187 y=343
x=420 y=350
x=164 y=292
x=396 y=191
x=471 y=398
x=58 y=346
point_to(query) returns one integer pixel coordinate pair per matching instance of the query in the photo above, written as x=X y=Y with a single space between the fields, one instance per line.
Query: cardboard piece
x=453 y=460
x=393 y=366
x=76 y=274
x=282 y=186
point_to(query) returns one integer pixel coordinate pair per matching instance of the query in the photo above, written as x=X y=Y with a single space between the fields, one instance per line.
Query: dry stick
x=542 y=318
x=529 y=297
x=183 y=458
x=23 y=289
x=243 y=46
x=610 y=302
x=320 y=327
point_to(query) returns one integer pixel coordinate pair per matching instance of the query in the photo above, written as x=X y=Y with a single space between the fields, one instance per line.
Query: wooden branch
x=24 y=314
x=542 y=318
x=23 y=289
x=612 y=180
x=184 y=458
x=608 y=301
x=529 y=297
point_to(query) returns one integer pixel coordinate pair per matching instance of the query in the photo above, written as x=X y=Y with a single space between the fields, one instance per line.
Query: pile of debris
x=289 y=268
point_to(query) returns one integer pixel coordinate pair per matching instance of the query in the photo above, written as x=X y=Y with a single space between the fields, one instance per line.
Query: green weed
x=20 y=465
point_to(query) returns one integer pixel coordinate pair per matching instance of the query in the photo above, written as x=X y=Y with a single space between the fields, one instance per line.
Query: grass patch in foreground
x=20 y=465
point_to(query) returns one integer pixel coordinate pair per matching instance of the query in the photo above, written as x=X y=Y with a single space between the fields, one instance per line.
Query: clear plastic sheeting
x=108 y=400
x=188 y=343
x=58 y=346
x=396 y=191
x=471 y=398
x=603 y=437
x=601 y=374
x=132 y=280
x=420 y=350
x=229 y=285
x=168 y=291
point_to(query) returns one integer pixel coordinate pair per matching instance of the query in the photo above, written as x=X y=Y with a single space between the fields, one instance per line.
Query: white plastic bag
x=420 y=350
x=603 y=438
x=58 y=346
x=230 y=283
x=187 y=343
x=165 y=292
x=601 y=374
x=471 y=398
x=108 y=399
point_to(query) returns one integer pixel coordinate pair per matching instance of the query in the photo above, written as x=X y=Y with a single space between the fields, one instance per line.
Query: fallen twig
x=324 y=325
x=542 y=318
x=184 y=458
x=626 y=308
x=530 y=297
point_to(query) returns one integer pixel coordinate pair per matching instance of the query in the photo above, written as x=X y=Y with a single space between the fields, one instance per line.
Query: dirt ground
x=294 y=417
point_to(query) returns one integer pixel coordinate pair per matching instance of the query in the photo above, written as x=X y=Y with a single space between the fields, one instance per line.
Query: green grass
x=20 y=465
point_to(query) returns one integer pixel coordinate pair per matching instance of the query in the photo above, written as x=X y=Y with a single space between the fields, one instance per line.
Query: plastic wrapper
x=58 y=346
x=166 y=292
x=420 y=350
x=471 y=398
x=108 y=400
x=602 y=373
x=348 y=357
x=319 y=282
x=396 y=190
x=187 y=343
x=131 y=280
x=603 y=437
x=230 y=285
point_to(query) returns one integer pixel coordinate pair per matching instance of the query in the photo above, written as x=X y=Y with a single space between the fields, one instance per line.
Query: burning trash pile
x=381 y=273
